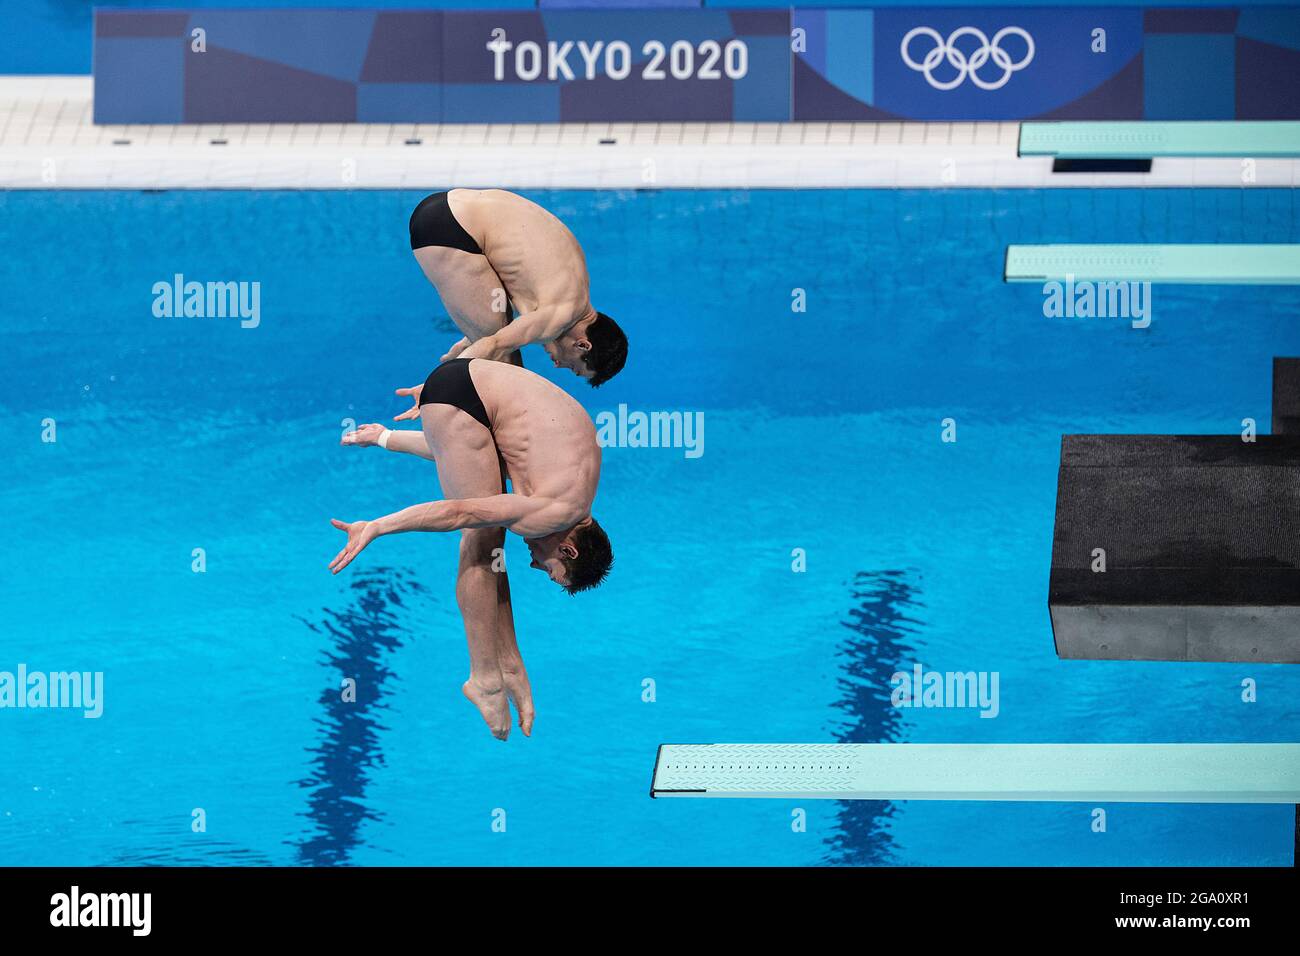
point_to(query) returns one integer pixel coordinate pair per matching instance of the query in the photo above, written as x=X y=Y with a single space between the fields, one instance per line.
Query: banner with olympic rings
x=703 y=64
x=1015 y=63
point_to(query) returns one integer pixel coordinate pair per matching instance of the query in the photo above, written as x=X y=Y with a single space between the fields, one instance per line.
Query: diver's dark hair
x=595 y=558
x=608 y=349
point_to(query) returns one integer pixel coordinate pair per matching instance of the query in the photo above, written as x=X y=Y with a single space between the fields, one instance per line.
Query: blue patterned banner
x=694 y=64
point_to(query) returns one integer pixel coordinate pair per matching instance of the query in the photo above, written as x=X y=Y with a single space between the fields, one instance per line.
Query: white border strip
x=48 y=141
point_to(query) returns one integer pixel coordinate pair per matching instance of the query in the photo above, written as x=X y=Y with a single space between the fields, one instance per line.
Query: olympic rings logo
x=967 y=64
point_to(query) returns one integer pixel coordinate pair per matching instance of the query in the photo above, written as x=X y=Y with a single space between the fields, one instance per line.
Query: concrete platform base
x=1270 y=635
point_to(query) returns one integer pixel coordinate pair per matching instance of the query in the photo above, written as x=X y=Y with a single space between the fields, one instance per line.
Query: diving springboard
x=1198 y=263
x=1091 y=773
x=1147 y=140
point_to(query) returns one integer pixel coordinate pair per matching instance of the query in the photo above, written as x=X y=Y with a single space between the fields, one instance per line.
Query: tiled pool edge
x=47 y=141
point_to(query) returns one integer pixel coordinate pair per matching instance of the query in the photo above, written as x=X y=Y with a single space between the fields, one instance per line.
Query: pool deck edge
x=48 y=141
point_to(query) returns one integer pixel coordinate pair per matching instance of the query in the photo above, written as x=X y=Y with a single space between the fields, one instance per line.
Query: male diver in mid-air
x=471 y=240
x=484 y=422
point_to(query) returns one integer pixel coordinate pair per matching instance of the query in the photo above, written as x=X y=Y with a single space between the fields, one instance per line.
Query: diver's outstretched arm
x=407 y=442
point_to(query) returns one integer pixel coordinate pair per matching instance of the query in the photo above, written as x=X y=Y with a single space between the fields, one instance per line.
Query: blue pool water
x=822 y=433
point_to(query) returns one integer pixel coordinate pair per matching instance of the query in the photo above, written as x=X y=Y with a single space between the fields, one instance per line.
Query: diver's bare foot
x=492 y=704
x=521 y=693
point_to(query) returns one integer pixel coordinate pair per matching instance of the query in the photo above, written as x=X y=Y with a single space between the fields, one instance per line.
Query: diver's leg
x=469 y=467
x=470 y=290
x=513 y=673
x=477 y=598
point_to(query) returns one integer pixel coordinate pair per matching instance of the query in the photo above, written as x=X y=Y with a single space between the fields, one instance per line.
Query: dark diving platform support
x=1286 y=421
x=1286 y=396
x=1177 y=548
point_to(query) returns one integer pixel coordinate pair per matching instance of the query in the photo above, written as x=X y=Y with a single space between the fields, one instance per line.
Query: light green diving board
x=1092 y=773
x=1200 y=263
x=1143 y=140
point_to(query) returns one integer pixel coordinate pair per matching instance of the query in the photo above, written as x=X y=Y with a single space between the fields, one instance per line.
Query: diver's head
x=576 y=558
x=594 y=349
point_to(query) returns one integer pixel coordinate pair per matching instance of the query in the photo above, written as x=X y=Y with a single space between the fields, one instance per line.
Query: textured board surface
x=1196 y=263
x=1189 y=520
x=1143 y=140
x=1135 y=773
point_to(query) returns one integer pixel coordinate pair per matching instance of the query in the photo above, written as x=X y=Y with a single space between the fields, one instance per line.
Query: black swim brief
x=432 y=224
x=450 y=384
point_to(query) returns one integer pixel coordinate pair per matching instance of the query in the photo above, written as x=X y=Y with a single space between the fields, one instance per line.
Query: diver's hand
x=364 y=437
x=486 y=348
x=414 y=410
x=360 y=534
x=455 y=350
